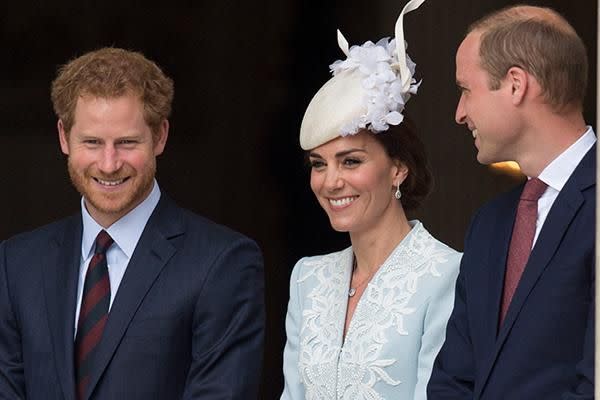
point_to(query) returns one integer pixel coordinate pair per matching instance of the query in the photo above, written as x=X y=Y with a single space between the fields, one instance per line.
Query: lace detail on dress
x=330 y=370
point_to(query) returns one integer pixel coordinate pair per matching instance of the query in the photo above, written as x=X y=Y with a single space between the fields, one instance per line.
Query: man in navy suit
x=134 y=297
x=525 y=333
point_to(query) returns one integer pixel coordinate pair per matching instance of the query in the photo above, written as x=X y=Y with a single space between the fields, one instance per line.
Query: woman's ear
x=400 y=172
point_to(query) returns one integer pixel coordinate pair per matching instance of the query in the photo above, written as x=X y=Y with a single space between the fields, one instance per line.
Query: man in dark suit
x=133 y=298
x=523 y=320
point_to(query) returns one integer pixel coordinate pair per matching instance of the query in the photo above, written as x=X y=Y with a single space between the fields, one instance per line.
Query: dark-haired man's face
x=112 y=155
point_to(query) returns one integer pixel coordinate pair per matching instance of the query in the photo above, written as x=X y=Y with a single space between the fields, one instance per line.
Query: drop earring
x=398 y=193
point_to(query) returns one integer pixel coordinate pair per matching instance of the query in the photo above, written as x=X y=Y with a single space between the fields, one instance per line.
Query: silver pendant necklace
x=352 y=290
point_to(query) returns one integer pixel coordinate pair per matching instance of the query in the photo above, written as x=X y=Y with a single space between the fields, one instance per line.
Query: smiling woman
x=356 y=316
x=352 y=178
x=368 y=164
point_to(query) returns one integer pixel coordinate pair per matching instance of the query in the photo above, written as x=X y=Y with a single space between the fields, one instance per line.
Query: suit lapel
x=564 y=209
x=492 y=293
x=497 y=260
x=151 y=254
x=61 y=274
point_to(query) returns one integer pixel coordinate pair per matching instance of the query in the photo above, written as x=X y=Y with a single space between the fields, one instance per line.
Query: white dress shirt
x=558 y=172
x=125 y=232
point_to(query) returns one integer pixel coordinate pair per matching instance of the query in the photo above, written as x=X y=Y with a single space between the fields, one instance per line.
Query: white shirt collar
x=556 y=174
x=126 y=231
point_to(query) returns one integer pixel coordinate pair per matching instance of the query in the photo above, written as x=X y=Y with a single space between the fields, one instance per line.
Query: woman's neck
x=372 y=247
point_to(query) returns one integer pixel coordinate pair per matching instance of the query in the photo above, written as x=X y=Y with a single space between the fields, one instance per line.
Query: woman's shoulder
x=323 y=259
x=428 y=244
x=314 y=271
x=433 y=256
x=319 y=264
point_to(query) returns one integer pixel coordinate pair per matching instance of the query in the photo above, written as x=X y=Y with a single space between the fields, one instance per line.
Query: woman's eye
x=316 y=164
x=351 y=162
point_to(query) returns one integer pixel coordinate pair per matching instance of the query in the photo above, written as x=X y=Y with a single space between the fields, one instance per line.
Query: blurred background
x=244 y=73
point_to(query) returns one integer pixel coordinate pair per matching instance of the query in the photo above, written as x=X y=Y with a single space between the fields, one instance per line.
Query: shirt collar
x=126 y=231
x=556 y=174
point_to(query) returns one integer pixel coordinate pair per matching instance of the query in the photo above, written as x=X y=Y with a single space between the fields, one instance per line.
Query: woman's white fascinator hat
x=368 y=90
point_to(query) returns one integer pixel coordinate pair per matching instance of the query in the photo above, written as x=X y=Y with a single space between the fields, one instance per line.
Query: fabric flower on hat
x=385 y=97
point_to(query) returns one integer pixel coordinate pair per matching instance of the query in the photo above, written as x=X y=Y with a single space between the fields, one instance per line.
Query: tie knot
x=534 y=188
x=103 y=242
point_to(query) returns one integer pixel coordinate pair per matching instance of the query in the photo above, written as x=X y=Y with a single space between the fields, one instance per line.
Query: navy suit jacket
x=544 y=350
x=187 y=321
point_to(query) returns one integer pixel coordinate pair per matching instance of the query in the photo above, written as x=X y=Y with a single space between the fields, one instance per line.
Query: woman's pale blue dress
x=396 y=331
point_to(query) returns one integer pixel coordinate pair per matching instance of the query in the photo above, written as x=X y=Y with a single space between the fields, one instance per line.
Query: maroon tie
x=93 y=313
x=521 y=240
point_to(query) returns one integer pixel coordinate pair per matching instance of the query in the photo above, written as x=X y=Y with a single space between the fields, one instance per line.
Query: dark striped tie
x=93 y=313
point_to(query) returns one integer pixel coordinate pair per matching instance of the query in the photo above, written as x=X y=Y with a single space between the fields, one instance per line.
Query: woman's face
x=354 y=180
